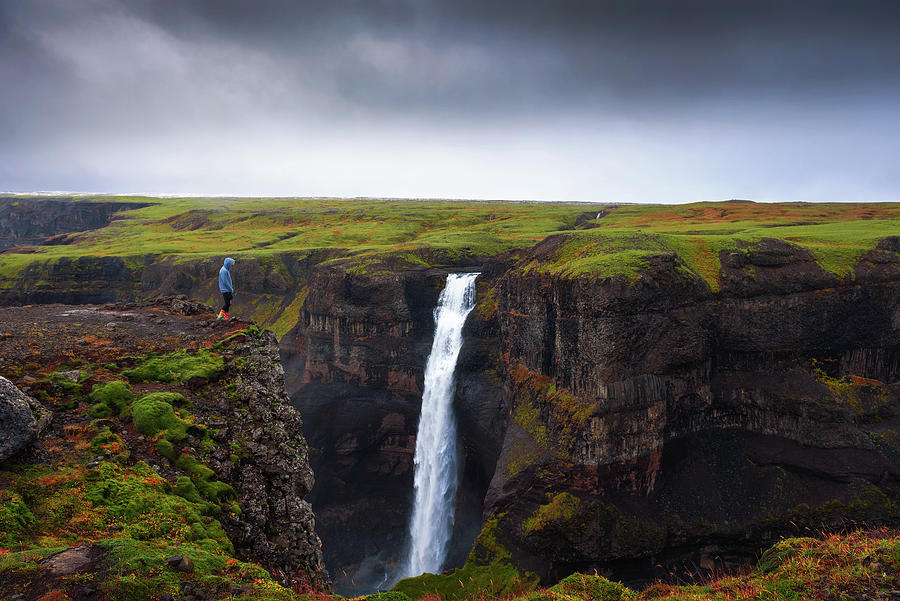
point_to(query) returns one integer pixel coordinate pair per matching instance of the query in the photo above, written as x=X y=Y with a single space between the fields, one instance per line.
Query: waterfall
x=435 y=460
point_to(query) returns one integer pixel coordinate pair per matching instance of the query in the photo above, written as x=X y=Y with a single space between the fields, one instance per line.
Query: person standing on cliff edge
x=226 y=287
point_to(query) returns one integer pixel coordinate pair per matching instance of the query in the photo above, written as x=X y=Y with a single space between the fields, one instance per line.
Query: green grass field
x=367 y=234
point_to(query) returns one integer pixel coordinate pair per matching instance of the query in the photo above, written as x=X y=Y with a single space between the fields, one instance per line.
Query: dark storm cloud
x=523 y=53
x=561 y=99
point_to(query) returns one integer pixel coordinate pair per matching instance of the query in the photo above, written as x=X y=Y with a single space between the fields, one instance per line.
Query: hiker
x=226 y=287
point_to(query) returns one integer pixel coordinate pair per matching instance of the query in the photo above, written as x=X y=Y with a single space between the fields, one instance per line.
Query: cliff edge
x=174 y=463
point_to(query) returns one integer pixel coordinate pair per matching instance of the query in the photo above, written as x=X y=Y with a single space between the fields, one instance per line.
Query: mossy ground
x=127 y=510
x=179 y=366
x=110 y=399
x=90 y=486
x=154 y=414
x=560 y=508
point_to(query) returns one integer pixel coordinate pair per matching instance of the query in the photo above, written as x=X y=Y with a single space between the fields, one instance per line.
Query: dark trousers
x=227 y=296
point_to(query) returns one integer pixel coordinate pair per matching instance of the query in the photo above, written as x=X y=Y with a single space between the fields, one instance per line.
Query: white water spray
x=435 y=460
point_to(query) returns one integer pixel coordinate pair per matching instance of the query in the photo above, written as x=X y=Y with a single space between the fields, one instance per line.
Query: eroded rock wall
x=272 y=476
x=671 y=415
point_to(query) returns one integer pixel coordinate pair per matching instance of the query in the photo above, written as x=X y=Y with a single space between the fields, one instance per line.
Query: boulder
x=22 y=419
x=181 y=563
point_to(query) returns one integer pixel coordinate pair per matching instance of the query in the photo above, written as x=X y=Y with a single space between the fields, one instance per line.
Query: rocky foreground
x=149 y=451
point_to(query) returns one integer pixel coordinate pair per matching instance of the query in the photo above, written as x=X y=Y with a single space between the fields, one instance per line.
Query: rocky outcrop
x=259 y=449
x=261 y=452
x=671 y=415
x=21 y=419
x=238 y=459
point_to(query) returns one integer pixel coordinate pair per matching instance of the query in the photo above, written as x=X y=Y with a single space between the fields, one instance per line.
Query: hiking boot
x=222 y=315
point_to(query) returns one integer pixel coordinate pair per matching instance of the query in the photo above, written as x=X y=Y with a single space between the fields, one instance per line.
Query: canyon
x=639 y=426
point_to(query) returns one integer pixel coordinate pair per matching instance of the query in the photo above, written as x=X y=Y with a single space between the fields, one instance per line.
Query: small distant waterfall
x=435 y=461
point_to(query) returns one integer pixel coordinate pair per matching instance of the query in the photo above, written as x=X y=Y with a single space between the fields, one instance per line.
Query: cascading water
x=435 y=459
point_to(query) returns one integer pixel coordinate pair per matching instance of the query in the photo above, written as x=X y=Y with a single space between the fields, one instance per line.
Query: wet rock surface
x=72 y=560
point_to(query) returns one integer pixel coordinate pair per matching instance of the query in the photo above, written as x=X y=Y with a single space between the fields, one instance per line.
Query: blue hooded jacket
x=225 y=284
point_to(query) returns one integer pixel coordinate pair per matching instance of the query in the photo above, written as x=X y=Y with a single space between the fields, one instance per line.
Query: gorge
x=660 y=410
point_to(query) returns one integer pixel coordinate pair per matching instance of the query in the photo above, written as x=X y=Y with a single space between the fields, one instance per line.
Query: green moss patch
x=110 y=399
x=204 y=479
x=468 y=582
x=782 y=552
x=166 y=449
x=107 y=442
x=583 y=587
x=559 y=511
x=179 y=367
x=15 y=518
x=137 y=570
x=154 y=414
x=388 y=596
x=140 y=500
x=552 y=416
x=185 y=488
x=866 y=397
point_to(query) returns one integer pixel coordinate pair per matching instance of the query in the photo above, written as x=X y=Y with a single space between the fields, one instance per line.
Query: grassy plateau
x=370 y=236
x=362 y=231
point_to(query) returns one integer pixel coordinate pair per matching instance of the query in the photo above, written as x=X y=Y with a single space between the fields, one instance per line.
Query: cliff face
x=272 y=475
x=653 y=418
x=84 y=280
x=27 y=221
x=609 y=422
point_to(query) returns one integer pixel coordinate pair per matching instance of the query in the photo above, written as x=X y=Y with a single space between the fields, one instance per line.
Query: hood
x=228 y=263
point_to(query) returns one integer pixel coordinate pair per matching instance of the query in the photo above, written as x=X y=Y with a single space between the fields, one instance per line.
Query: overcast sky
x=662 y=101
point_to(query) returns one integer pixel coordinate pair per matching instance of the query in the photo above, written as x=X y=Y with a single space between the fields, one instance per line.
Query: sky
x=610 y=101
